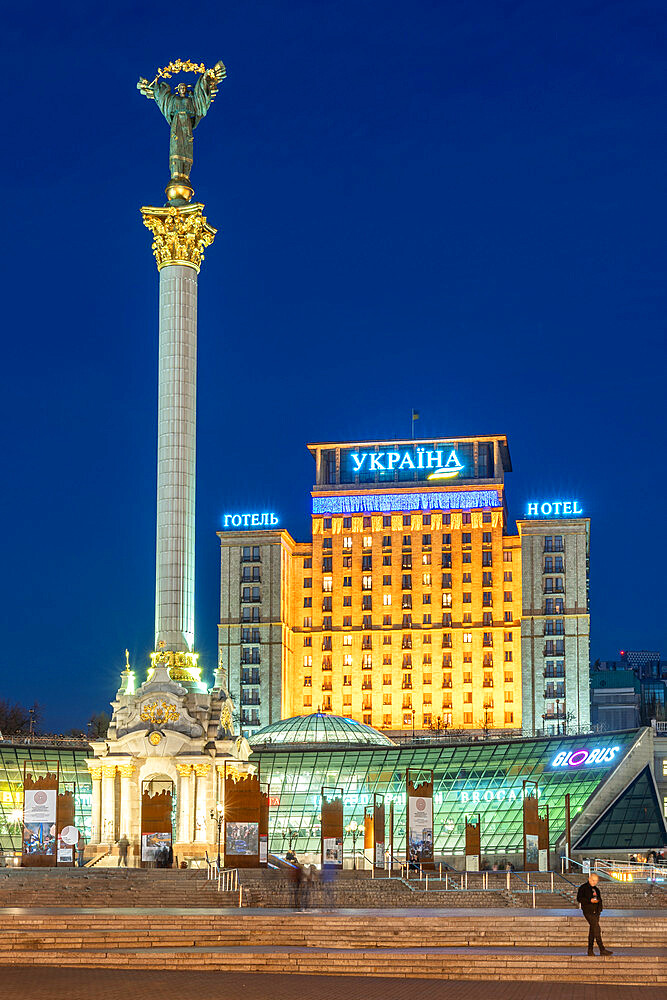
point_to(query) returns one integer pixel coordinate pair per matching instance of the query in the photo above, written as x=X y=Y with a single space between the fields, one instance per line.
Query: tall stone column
x=96 y=810
x=108 y=802
x=180 y=236
x=185 y=820
x=202 y=809
x=126 y=824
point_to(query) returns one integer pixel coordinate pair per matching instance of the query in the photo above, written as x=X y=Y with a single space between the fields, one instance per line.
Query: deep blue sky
x=453 y=206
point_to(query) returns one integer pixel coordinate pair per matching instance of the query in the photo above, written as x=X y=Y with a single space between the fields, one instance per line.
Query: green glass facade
x=39 y=760
x=633 y=821
x=478 y=777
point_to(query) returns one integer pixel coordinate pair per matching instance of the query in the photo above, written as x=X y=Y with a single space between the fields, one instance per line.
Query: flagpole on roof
x=414 y=415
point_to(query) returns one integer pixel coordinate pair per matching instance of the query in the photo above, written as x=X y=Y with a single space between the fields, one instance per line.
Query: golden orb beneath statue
x=179 y=192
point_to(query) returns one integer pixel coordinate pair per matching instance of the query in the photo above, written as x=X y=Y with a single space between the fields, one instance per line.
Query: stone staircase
x=103 y=887
x=418 y=944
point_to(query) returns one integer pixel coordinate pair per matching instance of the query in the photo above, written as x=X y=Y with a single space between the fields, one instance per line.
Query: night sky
x=453 y=206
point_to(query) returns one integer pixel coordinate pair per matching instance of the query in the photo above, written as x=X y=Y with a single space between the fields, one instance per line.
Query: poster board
x=419 y=837
x=40 y=815
x=378 y=831
x=244 y=804
x=155 y=824
x=331 y=828
x=473 y=843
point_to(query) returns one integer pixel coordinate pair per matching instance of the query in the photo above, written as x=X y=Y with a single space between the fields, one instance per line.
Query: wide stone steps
x=510 y=964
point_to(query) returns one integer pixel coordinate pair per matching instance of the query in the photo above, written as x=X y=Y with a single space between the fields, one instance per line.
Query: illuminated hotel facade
x=414 y=605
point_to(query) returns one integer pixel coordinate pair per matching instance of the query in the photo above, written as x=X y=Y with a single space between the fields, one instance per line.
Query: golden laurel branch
x=215 y=75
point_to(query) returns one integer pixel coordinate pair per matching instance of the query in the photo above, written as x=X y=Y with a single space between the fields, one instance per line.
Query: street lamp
x=353 y=828
x=218 y=816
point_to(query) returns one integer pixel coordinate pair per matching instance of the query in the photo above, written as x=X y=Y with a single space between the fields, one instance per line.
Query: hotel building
x=415 y=605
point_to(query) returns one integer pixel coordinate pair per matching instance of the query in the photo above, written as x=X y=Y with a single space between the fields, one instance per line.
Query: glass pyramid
x=633 y=821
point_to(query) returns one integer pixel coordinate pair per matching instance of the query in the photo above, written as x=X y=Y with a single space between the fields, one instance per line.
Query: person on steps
x=123 y=845
x=589 y=899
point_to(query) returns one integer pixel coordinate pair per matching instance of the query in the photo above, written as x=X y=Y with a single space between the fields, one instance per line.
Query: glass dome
x=319 y=728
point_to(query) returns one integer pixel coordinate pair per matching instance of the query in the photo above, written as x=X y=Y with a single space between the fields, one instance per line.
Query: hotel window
x=467 y=718
x=347 y=523
x=407 y=520
x=467 y=697
x=347 y=699
x=366 y=582
x=326 y=639
x=367 y=685
x=386 y=680
x=487 y=660
x=308 y=640
x=466 y=538
x=548 y=564
x=426 y=559
x=308 y=682
x=426 y=639
x=507 y=556
x=326 y=624
x=307 y=700
x=347 y=640
x=509 y=696
x=507 y=616
x=407 y=560
x=326 y=703
x=366 y=563
x=407 y=600
x=386 y=521
x=466 y=557
x=367 y=521
x=367 y=621
x=488 y=680
x=486 y=538
x=446 y=659
x=446 y=600
x=426 y=579
x=347 y=562
x=446 y=580
x=347 y=621
x=548 y=543
x=368 y=541
x=447 y=619
x=407 y=681
x=347 y=600
x=327 y=584
x=467 y=637
x=386 y=721
x=487 y=639
x=467 y=597
x=407 y=660
x=558 y=545
x=508 y=656
x=426 y=599
x=407 y=621
x=426 y=620
x=446 y=560
x=446 y=539
x=487 y=580
x=406 y=581
x=426 y=539
x=487 y=558
x=487 y=599
x=307 y=581
x=367 y=603
x=308 y=622
x=386 y=659
x=447 y=680
x=426 y=519
x=386 y=639
x=487 y=618
x=307 y=661
x=467 y=618
x=347 y=541
x=447 y=639
x=386 y=619
x=386 y=560
x=509 y=678
x=386 y=542
x=347 y=680
x=467 y=677
x=509 y=716
x=327 y=564
x=508 y=576
x=386 y=581
x=508 y=636
x=366 y=642
x=558 y=564
x=386 y=600
x=347 y=659
x=326 y=523
x=347 y=581
x=407 y=718
x=327 y=543
x=307 y=563
x=326 y=663
x=467 y=577
x=407 y=541
x=466 y=517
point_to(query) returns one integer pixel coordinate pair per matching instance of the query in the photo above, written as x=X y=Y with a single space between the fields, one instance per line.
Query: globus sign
x=584 y=758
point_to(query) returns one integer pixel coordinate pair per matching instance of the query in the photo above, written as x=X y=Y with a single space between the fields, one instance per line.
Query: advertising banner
x=263 y=848
x=532 y=850
x=544 y=860
x=379 y=854
x=39 y=824
x=153 y=843
x=472 y=862
x=242 y=839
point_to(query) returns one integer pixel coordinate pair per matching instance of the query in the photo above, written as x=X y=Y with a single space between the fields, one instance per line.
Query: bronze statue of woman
x=183 y=107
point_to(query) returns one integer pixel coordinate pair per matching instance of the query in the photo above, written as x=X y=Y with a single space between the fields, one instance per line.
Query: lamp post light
x=218 y=815
x=413 y=725
x=353 y=828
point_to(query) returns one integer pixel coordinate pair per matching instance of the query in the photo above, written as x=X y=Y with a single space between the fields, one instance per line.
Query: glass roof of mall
x=319 y=728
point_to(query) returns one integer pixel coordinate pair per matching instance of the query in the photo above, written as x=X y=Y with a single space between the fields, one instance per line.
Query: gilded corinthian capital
x=180 y=235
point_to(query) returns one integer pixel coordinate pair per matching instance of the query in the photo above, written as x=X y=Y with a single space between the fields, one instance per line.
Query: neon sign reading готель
x=263 y=520
x=577 y=758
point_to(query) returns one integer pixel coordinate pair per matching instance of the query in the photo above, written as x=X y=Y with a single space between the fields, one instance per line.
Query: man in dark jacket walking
x=589 y=899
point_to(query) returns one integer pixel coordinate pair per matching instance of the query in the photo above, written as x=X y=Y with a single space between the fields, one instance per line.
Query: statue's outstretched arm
x=146 y=88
